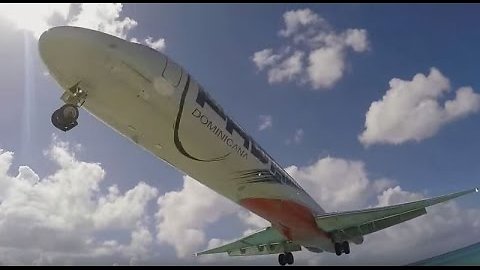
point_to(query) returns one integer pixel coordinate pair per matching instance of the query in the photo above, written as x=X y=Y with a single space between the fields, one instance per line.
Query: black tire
x=289 y=258
x=346 y=247
x=338 y=249
x=282 y=259
x=65 y=123
x=56 y=118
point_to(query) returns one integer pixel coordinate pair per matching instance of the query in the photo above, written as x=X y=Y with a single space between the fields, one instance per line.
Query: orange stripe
x=293 y=220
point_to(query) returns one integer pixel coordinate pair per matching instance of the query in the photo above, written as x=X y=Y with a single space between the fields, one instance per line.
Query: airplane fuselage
x=148 y=98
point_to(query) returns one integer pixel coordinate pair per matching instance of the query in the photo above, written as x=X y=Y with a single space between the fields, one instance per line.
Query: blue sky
x=411 y=151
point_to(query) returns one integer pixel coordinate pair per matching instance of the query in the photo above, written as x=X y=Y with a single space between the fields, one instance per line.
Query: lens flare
x=29 y=93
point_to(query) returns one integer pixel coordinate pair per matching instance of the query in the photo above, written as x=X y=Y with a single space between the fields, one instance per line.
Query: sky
x=365 y=105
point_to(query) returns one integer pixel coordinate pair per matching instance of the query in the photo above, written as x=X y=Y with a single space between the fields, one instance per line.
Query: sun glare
x=32 y=17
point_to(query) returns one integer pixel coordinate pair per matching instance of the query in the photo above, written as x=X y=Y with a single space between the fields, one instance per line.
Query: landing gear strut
x=285 y=258
x=66 y=117
x=343 y=247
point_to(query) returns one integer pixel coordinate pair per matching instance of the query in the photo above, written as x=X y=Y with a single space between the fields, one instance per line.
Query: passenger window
x=172 y=73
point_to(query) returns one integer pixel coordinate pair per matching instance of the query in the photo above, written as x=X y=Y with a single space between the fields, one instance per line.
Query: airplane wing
x=353 y=224
x=266 y=241
x=341 y=226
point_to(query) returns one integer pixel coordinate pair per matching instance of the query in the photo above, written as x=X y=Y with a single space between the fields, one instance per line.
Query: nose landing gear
x=66 y=117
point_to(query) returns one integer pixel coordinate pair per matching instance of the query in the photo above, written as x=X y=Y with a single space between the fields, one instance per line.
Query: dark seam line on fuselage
x=176 y=139
x=137 y=72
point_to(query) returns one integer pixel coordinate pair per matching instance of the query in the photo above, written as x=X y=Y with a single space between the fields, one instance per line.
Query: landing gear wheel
x=282 y=260
x=289 y=258
x=66 y=117
x=346 y=247
x=338 y=249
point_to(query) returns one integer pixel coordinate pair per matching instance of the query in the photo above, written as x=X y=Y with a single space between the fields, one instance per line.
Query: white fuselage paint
x=128 y=91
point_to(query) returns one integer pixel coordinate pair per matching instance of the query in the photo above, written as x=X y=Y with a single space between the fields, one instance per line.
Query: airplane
x=151 y=100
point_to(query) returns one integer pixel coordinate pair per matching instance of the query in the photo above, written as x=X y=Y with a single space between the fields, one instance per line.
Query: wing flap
x=265 y=249
x=266 y=241
x=377 y=225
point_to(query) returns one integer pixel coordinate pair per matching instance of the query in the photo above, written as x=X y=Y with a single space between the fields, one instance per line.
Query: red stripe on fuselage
x=293 y=220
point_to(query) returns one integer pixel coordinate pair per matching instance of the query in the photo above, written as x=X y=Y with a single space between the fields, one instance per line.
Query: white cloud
x=183 y=216
x=253 y=221
x=396 y=195
x=357 y=39
x=105 y=18
x=265 y=122
x=326 y=66
x=34 y=17
x=140 y=246
x=336 y=184
x=326 y=51
x=59 y=215
x=158 y=45
x=295 y=19
x=297 y=137
x=102 y=17
x=411 y=111
x=288 y=69
x=265 y=58
x=138 y=250
x=110 y=211
x=466 y=102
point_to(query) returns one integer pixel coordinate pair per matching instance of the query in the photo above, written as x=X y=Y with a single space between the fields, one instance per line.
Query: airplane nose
x=61 y=43
x=60 y=48
x=67 y=39
x=74 y=54
x=69 y=51
x=47 y=45
x=55 y=41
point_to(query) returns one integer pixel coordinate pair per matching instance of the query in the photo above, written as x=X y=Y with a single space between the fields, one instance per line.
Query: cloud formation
x=314 y=53
x=59 y=215
x=184 y=215
x=266 y=121
x=337 y=184
x=412 y=110
x=102 y=17
x=297 y=137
